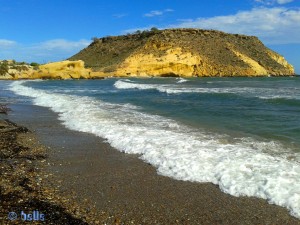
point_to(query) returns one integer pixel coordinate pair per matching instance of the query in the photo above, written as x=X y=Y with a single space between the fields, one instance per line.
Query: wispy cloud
x=61 y=44
x=6 y=43
x=51 y=50
x=119 y=16
x=272 y=2
x=277 y=25
x=154 y=13
x=284 y=1
x=132 y=30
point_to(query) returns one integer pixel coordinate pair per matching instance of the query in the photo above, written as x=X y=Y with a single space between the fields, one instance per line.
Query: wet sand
x=125 y=190
x=24 y=196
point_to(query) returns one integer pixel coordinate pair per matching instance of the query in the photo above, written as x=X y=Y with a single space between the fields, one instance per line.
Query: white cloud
x=132 y=30
x=51 y=50
x=119 y=16
x=276 y=25
x=272 y=2
x=158 y=12
x=61 y=44
x=6 y=43
x=169 y=10
x=153 y=13
x=284 y=1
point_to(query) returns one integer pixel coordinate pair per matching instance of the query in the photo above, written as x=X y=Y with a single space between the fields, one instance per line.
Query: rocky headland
x=183 y=52
x=161 y=53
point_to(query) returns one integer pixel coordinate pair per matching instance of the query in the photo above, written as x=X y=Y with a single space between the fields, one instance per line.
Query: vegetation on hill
x=220 y=53
x=109 y=51
x=3 y=68
x=11 y=67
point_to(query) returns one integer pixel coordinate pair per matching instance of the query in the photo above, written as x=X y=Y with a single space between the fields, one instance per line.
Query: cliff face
x=57 y=70
x=183 y=52
x=9 y=69
x=64 y=70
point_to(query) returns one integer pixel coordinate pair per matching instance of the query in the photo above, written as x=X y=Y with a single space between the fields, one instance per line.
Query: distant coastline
x=161 y=53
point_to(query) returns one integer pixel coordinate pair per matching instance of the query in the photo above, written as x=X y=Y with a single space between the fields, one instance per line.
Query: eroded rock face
x=63 y=70
x=183 y=52
x=57 y=70
x=173 y=62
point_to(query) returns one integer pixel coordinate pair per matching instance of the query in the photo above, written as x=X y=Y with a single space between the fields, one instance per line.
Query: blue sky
x=52 y=30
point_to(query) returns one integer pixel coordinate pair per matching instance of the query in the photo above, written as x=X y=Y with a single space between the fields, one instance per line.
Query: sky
x=51 y=30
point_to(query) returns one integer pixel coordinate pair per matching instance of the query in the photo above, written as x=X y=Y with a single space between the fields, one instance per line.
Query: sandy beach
x=150 y=113
x=122 y=189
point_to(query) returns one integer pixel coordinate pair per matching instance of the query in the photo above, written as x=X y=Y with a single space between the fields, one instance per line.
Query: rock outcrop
x=57 y=70
x=9 y=69
x=65 y=70
x=172 y=52
x=183 y=52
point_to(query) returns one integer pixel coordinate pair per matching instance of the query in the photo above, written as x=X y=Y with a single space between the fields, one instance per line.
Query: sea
x=242 y=134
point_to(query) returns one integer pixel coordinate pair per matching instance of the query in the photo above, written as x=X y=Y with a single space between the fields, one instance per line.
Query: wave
x=181 y=80
x=241 y=167
x=171 y=89
x=262 y=93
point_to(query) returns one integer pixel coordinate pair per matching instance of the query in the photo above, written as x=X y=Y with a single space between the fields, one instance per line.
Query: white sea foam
x=181 y=80
x=263 y=93
x=241 y=167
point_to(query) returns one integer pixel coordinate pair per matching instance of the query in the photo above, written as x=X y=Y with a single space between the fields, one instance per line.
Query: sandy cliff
x=183 y=52
x=65 y=70
x=57 y=70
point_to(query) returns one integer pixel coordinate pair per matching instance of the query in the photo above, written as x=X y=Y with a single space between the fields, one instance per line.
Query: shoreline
x=150 y=76
x=25 y=193
x=125 y=189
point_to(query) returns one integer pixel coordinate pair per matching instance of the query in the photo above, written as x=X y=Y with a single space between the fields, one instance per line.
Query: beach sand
x=24 y=197
x=124 y=190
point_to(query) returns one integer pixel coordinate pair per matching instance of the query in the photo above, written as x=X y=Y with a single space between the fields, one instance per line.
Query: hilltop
x=171 y=52
x=182 y=52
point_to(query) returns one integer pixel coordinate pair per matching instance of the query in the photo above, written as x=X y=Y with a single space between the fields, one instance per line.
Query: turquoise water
x=262 y=107
x=239 y=133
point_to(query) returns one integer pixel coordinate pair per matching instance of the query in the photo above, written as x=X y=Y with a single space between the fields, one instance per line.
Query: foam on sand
x=241 y=166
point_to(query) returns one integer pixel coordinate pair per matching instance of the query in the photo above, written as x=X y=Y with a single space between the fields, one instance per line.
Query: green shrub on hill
x=33 y=64
x=3 y=68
